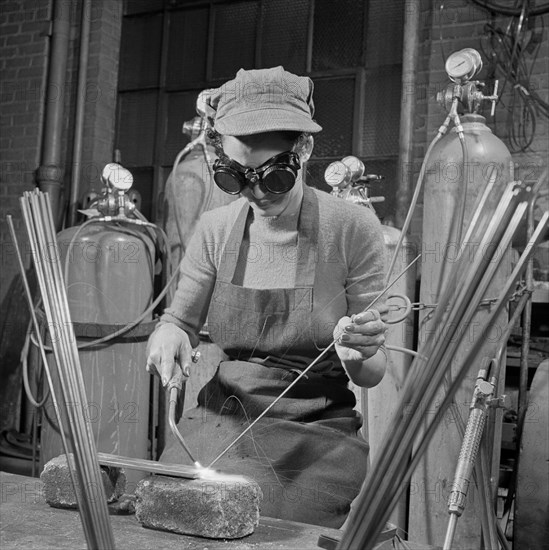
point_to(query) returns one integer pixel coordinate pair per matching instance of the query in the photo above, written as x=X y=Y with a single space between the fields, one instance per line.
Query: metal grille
x=234 y=38
x=382 y=114
x=187 y=47
x=284 y=34
x=139 y=6
x=338 y=34
x=386 y=188
x=334 y=102
x=181 y=107
x=137 y=127
x=143 y=182
x=384 y=36
x=140 y=52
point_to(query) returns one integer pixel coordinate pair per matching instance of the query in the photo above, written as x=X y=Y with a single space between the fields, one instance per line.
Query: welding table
x=27 y=522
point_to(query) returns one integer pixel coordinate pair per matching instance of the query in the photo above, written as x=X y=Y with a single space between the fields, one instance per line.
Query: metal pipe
x=415 y=197
x=50 y=172
x=76 y=172
x=410 y=54
x=526 y=327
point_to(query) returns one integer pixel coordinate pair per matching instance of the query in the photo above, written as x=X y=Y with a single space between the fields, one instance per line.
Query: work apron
x=305 y=453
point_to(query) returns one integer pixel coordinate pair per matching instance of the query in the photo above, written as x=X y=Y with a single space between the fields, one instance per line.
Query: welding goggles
x=277 y=175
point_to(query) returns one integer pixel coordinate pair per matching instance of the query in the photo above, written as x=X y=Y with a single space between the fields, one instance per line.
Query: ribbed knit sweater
x=349 y=263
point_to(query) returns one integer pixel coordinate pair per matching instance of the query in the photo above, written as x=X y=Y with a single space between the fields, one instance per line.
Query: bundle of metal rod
x=90 y=492
x=492 y=230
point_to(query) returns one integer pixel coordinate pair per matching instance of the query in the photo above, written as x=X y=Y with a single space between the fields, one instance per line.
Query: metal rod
x=312 y=364
x=38 y=251
x=28 y=296
x=423 y=382
x=90 y=492
x=99 y=513
x=452 y=523
x=370 y=504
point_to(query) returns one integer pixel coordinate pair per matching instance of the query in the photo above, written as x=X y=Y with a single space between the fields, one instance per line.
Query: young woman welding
x=278 y=273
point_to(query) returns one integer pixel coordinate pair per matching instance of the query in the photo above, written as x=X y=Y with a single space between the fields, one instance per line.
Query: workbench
x=27 y=522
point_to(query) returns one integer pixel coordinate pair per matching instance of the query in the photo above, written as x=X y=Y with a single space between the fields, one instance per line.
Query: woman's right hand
x=166 y=345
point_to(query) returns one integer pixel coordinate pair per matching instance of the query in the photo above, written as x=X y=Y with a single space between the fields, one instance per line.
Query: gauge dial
x=117 y=176
x=461 y=66
x=337 y=174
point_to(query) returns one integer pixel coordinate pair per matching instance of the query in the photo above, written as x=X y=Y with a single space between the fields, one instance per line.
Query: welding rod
x=51 y=306
x=425 y=385
x=313 y=363
x=366 y=505
x=423 y=381
x=78 y=389
x=31 y=223
x=84 y=433
x=90 y=491
x=36 y=325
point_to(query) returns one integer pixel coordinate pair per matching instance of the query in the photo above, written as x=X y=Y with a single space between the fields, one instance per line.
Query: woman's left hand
x=360 y=337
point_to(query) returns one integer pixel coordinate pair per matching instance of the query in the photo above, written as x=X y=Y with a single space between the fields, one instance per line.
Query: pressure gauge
x=338 y=175
x=355 y=165
x=117 y=176
x=461 y=66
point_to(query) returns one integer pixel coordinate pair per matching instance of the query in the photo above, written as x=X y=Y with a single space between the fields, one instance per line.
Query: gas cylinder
x=448 y=181
x=109 y=272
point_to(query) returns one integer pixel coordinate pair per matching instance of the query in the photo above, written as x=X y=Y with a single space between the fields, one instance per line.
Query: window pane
x=338 y=32
x=140 y=52
x=143 y=182
x=382 y=113
x=187 y=47
x=284 y=36
x=384 y=41
x=140 y=6
x=136 y=127
x=234 y=39
x=334 y=107
x=181 y=107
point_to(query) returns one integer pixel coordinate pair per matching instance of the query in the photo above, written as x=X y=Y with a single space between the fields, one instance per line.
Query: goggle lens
x=279 y=180
x=227 y=182
x=277 y=175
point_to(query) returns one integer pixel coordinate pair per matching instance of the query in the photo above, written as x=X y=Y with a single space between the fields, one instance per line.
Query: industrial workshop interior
x=274 y=274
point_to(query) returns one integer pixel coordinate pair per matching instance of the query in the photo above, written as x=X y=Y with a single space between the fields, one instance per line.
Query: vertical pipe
x=50 y=172
x=410 y=54
x=76 y=172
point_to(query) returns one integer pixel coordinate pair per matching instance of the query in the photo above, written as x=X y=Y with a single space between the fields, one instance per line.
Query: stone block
x=58 y=488
x=224 y=507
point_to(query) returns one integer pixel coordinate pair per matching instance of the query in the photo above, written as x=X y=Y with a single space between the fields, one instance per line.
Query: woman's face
x=253 y=151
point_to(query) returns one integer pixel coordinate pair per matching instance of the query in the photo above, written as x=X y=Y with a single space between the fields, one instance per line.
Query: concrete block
x=224 y=507
x=58 y=488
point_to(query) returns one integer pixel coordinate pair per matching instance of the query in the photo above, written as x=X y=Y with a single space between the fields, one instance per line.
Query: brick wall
x=24 y=43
